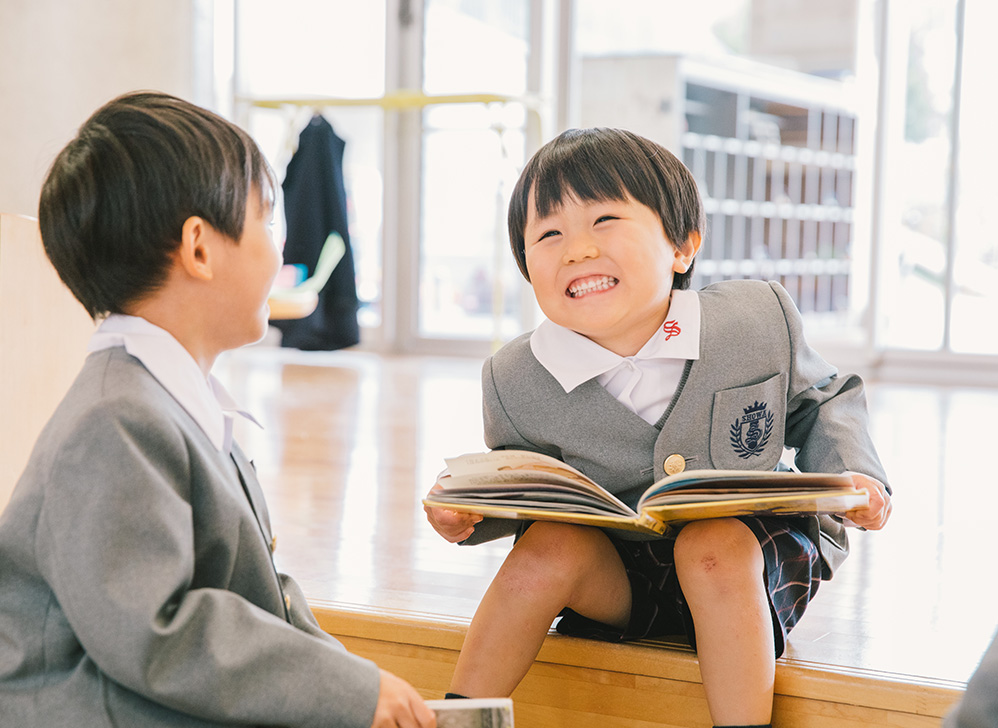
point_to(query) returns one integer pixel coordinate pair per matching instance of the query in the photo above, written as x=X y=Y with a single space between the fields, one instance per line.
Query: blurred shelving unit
x=774 y=154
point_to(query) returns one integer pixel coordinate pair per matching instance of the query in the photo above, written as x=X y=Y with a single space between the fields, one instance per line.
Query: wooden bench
x=587 y=684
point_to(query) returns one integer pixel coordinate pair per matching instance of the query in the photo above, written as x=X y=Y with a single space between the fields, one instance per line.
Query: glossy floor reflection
x=351 y=441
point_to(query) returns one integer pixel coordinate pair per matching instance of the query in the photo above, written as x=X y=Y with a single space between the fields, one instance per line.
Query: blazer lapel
x=254 y=494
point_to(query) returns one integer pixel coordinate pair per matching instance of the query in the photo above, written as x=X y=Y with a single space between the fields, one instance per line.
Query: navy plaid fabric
x=658 y=607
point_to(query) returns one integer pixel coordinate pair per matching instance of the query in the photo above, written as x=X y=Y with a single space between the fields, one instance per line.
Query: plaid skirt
x=658 y=607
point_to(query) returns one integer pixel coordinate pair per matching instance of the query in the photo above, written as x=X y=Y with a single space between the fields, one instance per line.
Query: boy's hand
x=452 y=525
x=874 y=516
x=400 y=705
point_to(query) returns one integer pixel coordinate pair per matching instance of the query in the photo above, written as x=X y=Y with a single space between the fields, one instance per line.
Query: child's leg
x=720 y=567
x=552 y=566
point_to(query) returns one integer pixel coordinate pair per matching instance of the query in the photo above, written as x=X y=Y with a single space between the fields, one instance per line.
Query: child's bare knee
x=554 y=551
x=716 y=549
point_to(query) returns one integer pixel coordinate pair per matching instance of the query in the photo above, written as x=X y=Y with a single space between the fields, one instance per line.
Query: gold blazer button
x=287 y=602
x=675 y=463
x=273 y=544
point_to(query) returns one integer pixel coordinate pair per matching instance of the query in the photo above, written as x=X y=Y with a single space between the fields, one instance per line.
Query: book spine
x=652 y=523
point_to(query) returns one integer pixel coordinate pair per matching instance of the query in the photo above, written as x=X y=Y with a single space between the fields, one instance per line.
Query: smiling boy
x=632 y=377
x=604 y=269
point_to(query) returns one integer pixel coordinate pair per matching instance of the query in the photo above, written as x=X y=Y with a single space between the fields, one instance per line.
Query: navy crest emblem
x=751 y=431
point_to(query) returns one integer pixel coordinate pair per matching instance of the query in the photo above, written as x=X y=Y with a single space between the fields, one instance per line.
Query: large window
x=939 y=255
x=918 y=159
x=842 y=148
x=332 y=49
x=975 y=259
x=429 y=98
x=471 y=154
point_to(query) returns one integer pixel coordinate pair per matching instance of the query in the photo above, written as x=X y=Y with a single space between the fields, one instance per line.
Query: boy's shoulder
x=515 y=364
x=515 y=355
x=112 y=392
x=514 y=348
x=738 y=290
x=752 y=303
x=115 y=377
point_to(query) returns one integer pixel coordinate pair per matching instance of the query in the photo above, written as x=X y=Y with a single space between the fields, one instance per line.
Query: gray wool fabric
x=754 y=366
x=137 y=586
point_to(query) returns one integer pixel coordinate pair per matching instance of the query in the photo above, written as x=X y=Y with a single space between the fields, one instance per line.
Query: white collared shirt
x=204 y=398
x=644 y=383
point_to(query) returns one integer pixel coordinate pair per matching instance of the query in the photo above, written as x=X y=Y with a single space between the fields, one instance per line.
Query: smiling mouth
x=594 y=284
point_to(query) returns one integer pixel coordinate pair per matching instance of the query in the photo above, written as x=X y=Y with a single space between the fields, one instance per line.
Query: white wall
x=61 y=59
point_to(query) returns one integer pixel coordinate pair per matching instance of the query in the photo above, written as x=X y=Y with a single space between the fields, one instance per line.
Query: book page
x=693 y=485
x=473 y=713
x=478 y=475
x=646 y=525
x=499 y=460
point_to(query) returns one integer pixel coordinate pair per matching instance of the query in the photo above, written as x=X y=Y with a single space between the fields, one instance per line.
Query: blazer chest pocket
x=747 y=425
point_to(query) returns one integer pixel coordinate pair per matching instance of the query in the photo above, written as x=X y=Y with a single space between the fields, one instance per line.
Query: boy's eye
x=604 y=218
x=549 y=234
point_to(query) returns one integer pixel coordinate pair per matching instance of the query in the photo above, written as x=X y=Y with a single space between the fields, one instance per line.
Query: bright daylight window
x=472 y=153
x=763 y=111
x=328 y=48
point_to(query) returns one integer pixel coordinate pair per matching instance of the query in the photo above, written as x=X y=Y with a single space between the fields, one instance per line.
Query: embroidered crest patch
x=751 y=431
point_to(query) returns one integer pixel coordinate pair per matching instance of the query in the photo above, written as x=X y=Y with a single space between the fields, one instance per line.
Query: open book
x=473 y=713
x=529 y=486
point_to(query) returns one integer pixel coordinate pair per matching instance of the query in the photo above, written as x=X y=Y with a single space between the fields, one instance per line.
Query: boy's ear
x=194 y=253
x=686 y=252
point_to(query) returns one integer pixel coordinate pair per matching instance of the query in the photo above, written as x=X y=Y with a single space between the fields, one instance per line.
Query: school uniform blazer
x=756 y=387
x=137 y=586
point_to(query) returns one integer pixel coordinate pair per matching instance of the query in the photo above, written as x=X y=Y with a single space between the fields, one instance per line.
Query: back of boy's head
x=607 y=164
x=114 y=202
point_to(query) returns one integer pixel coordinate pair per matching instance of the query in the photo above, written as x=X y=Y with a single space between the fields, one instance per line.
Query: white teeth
x=581 y=288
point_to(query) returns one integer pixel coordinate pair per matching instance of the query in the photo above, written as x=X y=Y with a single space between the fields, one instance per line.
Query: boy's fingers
x=870 y=518
x=424 y=716
x=447 y=517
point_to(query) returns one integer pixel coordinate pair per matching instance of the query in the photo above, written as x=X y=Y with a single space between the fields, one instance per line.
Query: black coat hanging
x=314 y=206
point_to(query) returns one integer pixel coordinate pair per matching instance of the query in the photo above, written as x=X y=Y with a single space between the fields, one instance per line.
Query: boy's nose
x=580 y=247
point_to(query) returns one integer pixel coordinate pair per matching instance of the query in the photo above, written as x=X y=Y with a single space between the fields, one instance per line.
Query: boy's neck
x=633 y=342
x=182 y=325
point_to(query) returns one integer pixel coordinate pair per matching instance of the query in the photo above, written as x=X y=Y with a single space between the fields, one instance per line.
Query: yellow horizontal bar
x=396 y=101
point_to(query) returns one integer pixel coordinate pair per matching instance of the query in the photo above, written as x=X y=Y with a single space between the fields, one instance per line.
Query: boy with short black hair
x=632 y=378
x=137 y=585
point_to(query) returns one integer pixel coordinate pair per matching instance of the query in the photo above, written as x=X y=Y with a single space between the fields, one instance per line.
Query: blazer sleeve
x=500 y=434
x=827 y=420
x=115 y=541
x=979 y=704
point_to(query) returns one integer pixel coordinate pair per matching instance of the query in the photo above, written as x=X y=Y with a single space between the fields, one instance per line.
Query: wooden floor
x=352 y=441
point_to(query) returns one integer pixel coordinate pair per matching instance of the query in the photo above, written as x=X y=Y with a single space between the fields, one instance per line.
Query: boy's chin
x=259 y=331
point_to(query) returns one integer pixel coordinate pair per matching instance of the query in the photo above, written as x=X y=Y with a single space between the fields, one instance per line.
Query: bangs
x=583 y=177
x=596 y=165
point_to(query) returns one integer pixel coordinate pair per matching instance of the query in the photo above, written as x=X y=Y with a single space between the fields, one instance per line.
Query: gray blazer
x=756 y=387
x=137 y=586
x=978 y=706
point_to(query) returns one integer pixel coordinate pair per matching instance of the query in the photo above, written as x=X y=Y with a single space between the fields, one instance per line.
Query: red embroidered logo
x=671 y=328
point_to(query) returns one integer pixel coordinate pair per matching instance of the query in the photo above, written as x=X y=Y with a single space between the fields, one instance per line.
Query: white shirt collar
x=205 y=398
x=573 y=359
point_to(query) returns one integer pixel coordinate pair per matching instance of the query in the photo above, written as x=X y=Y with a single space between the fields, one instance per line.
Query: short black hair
x=115 y=199
x=607 y=164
